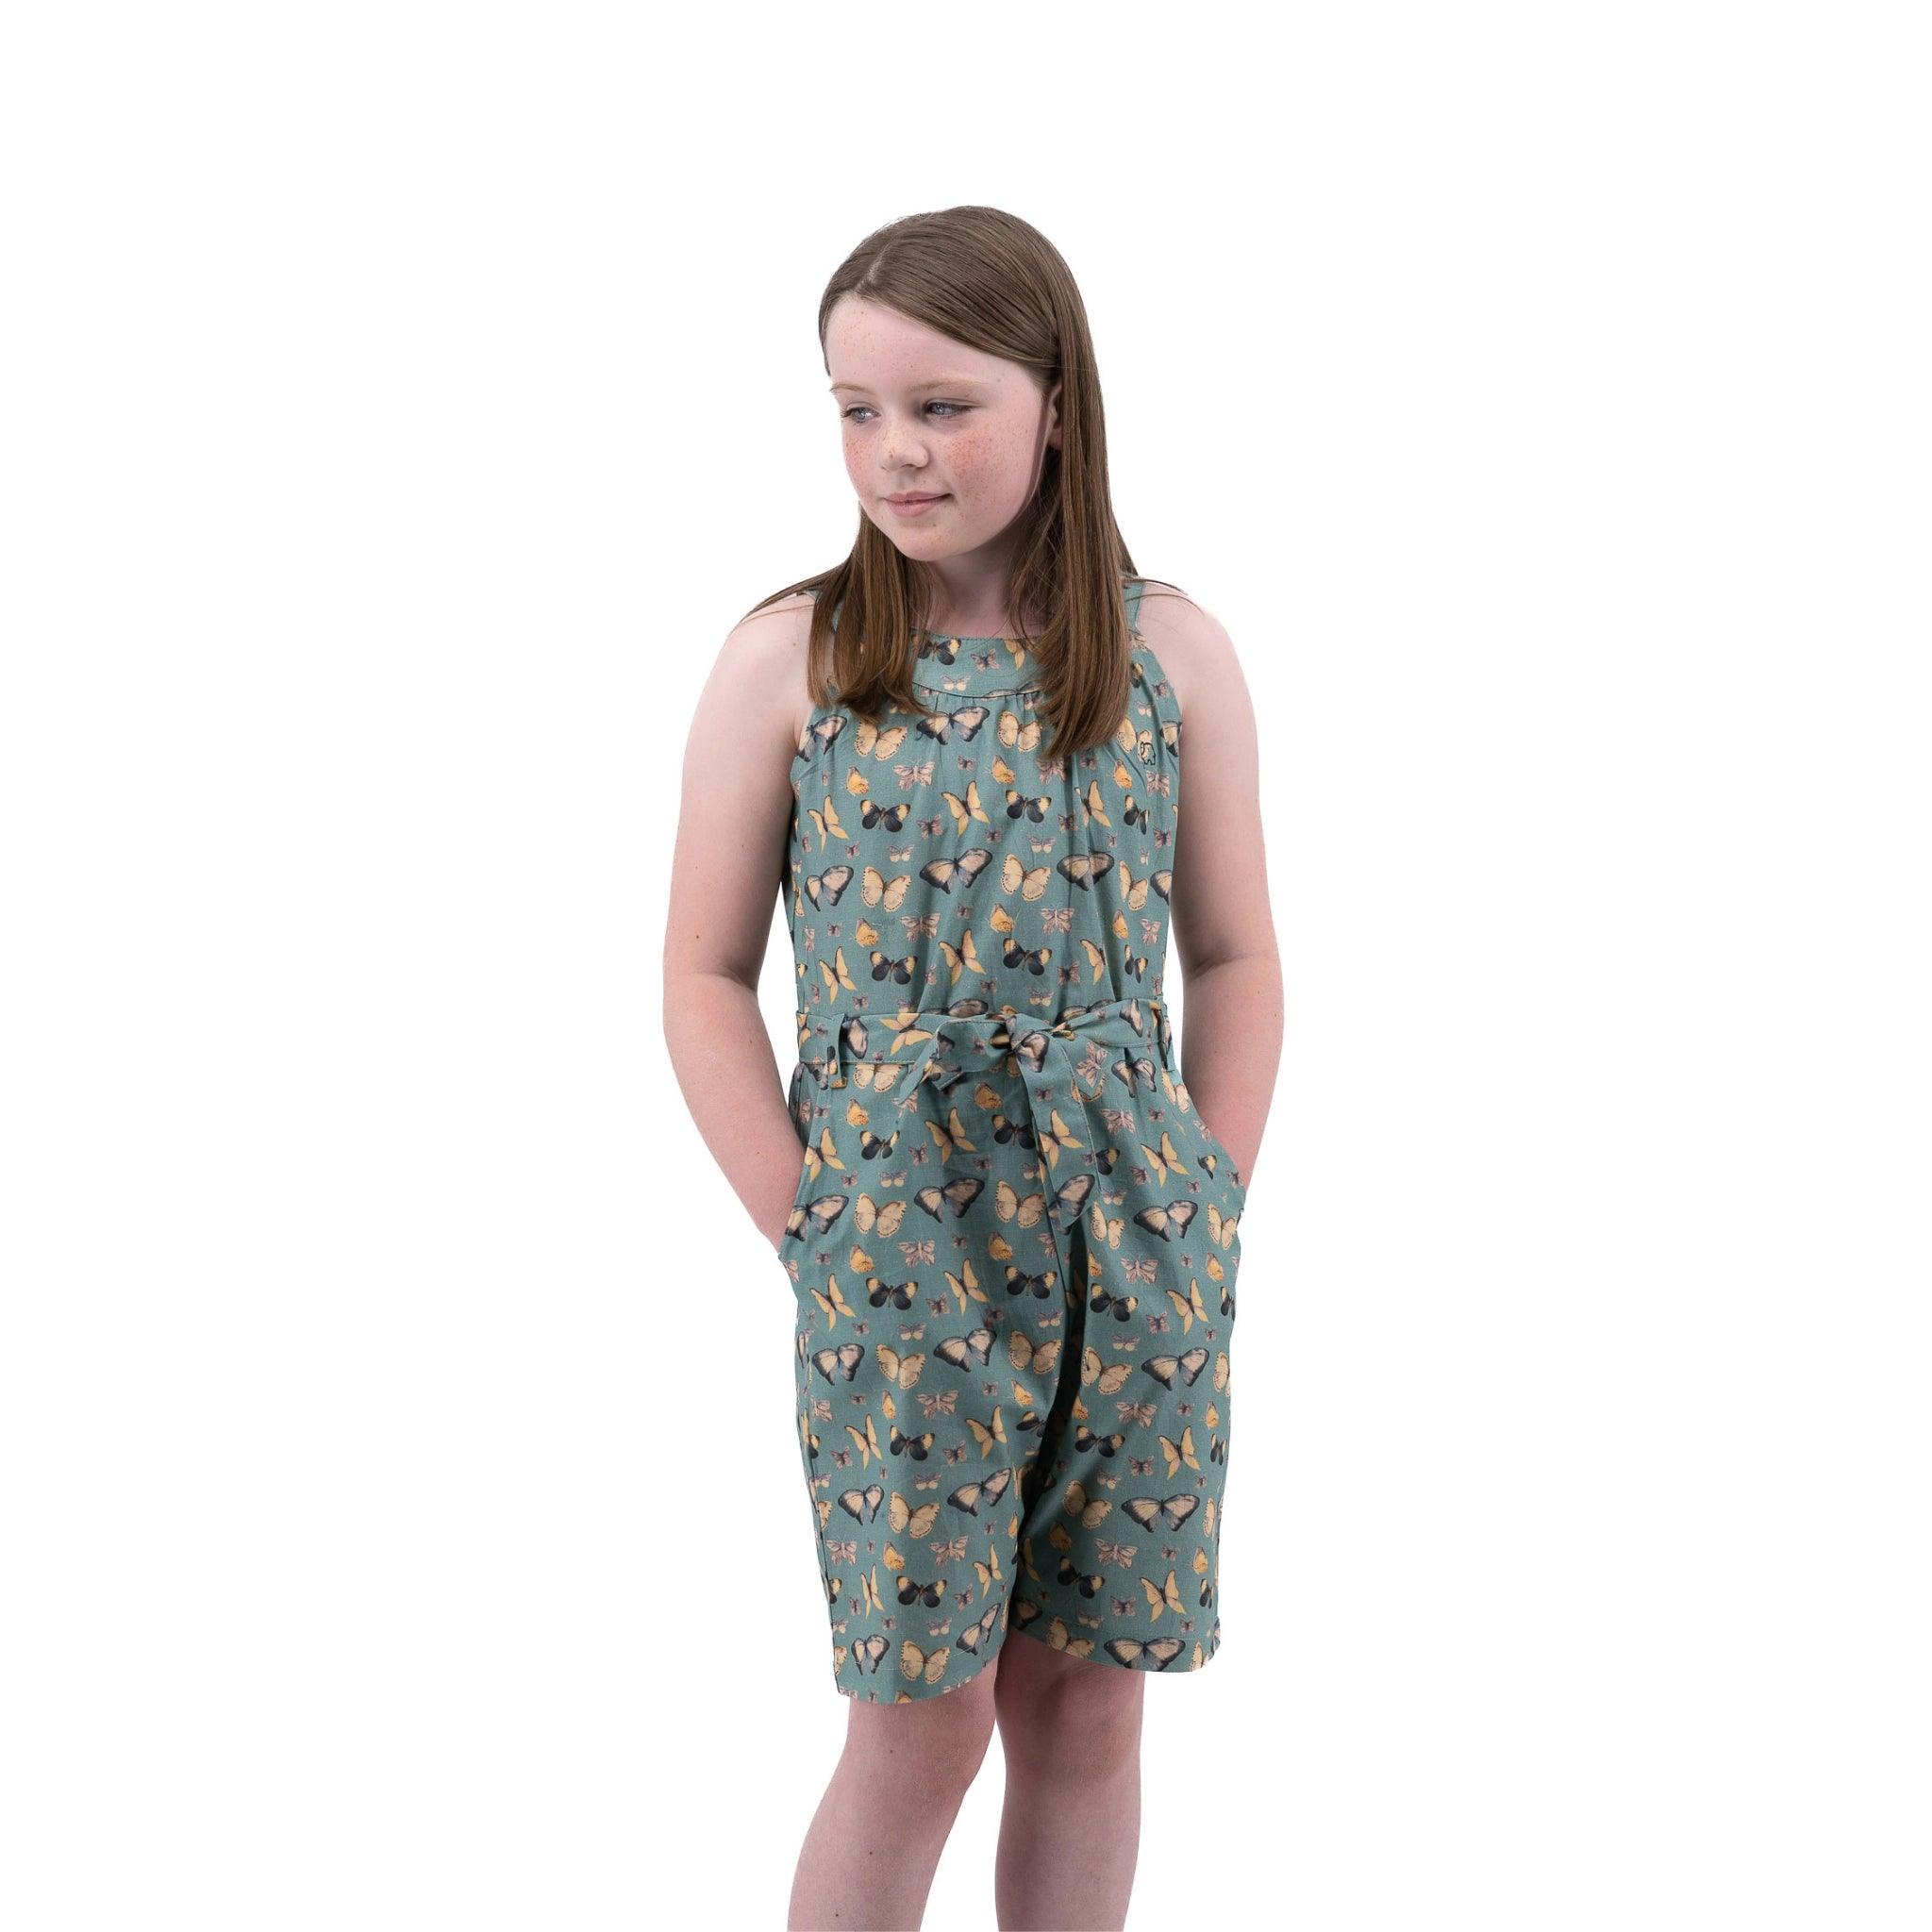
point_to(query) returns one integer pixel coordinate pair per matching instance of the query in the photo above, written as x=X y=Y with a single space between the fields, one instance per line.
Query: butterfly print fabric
x=1014 y=1241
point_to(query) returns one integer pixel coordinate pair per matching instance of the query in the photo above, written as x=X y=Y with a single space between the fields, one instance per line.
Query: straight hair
x=995 y=283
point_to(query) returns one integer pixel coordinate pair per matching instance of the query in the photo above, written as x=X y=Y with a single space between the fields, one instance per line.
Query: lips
x=916 y=497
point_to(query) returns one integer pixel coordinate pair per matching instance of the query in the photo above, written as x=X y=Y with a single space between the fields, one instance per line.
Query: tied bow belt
x=1085 y=1060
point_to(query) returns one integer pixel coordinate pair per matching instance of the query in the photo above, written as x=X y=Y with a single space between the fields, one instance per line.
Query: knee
x=1090 y=1717
x=935 y=1744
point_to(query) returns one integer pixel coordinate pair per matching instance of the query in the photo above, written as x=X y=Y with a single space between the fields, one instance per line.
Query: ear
x=1052 y=417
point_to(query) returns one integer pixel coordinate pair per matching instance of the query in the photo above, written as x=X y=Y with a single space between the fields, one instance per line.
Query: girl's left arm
x=1223 y=924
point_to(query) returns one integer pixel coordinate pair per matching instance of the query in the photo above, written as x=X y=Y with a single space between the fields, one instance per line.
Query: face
x=921 y=413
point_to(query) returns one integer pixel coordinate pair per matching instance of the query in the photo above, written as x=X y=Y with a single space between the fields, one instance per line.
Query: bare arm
x=733 y=832
x=1224 y=926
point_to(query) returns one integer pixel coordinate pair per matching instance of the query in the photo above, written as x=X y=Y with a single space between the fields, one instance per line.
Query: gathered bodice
x=939 y=860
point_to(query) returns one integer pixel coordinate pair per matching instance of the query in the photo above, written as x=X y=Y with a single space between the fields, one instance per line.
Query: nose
x=902 y=449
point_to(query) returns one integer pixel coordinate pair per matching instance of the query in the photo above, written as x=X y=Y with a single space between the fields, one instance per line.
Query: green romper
x=1013 y=1242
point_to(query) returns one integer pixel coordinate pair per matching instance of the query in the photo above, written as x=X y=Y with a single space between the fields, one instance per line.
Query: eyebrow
x=919 y=388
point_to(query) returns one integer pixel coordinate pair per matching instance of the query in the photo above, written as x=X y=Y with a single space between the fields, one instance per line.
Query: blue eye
x=957 y=409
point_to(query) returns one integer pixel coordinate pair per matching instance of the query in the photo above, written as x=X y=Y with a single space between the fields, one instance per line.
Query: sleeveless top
x=939 y=860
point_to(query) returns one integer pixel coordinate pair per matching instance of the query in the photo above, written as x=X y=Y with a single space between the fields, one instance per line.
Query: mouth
x=913 y=505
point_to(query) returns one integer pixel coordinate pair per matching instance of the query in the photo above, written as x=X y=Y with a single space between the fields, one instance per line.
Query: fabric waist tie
x=1086 y=1059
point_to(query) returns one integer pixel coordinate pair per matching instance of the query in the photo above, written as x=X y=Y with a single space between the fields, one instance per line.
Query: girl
x=1013 y=1235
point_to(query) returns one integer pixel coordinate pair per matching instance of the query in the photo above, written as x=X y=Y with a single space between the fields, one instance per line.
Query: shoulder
x=1194 y=650
x=764 y=657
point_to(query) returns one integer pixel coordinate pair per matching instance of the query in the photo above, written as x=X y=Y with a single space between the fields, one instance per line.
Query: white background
x=403 y=1525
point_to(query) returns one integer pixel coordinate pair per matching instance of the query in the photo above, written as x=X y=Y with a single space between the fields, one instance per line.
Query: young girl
x=1013 y=1236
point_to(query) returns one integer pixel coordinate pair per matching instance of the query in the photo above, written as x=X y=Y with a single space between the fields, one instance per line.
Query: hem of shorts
x=1210 y=1648
x=920 y=1691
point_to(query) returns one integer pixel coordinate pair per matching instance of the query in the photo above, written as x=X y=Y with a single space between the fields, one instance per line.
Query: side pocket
x=799 y=1102
x=1221 y=1155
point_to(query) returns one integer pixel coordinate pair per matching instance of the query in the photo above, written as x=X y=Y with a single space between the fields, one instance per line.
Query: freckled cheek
x=979 y=463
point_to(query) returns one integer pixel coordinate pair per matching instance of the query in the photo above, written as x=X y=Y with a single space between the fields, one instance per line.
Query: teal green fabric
x=1014 y=1243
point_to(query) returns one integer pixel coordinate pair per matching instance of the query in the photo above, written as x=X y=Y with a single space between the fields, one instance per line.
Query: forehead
x=869 y=346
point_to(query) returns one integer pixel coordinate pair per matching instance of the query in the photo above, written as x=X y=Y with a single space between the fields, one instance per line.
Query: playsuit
x=1014 y=1241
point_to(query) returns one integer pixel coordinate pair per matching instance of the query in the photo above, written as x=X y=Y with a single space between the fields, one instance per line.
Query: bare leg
x=876 y=1837
x=1071 y=1832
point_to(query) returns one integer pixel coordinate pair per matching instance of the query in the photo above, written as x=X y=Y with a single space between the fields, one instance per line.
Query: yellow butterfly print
x=1021 y=1352
x=882 y=744
x=915 y=1664
x=1102 y=1230
x=839 y=975
x=1222 y=1228
x=1164 y=1596
x=907 y=1521
x=1014 y=878
x=832 y=1305
x=1165 y=1161
x=1096 y=809
x=869 y=1590
x=1092 y=1511
x=824 y=1155
x=1190 y=1307
x=1011 y=1206
x=990 y=1572
x=1016 y=736
x=867 y=1441
x=870 y=1217
x=1133 y=893
x=1057 y=1634
x=1053 y=1138
x=904 y=1370
x=1220 y=1375
x=950 y=1136
x=877 y=890
x=985 y=1437
x=965 y=1285
x=827 y=822
x=965 y=810
x=962 y=958
x=1179 y=1453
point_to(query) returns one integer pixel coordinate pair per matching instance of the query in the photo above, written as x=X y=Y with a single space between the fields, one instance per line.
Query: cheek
x=981 y=462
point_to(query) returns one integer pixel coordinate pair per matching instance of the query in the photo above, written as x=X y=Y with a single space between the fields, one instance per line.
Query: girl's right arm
x=734 y=828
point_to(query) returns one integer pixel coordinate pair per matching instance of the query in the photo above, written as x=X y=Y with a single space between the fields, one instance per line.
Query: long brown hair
x=995 y=283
